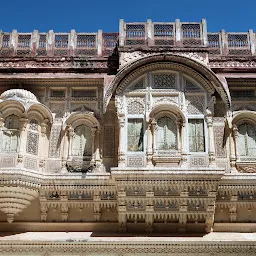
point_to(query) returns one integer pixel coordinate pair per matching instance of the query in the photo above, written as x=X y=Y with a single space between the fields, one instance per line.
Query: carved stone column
x=211 y=149
x=154 y=133
x=234 y=155
x=184 y=144
x=43 y=152
x=97 y=149
x=23 y=138
x=149 y=145
x=93 y=130
x=122 y=135
x=70 y=137
x=178 y=124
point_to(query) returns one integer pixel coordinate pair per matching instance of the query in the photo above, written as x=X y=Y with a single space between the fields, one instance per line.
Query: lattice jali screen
x=164 y=34
x=24 y=44
x=191 y=34
x=86 y=44
x=61 y=44
x=5 y=44
x=238 y=44
x=135 y=34
x=109 y=42
x=41 y=51
x=214 y=43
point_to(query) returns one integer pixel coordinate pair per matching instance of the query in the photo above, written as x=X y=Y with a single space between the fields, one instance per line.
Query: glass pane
x=246 y=141
x=82 y=141
x=135 y=134
x=196 y=135
x=166 y=133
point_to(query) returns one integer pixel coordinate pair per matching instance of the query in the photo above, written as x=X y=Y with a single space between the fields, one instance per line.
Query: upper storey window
x=10 y=134
x=135 y=134
x=246 y=143
x=82 y=141
x=196 y=135
x=164 y=81
x=166 y=134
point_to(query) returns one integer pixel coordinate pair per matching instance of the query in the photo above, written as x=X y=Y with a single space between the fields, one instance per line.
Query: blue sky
x=89 y=16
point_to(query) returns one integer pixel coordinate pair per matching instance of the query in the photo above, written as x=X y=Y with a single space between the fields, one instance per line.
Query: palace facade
x=150 y=130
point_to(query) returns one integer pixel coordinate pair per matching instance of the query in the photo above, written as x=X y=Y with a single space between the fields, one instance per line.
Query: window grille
x=238 y=44
x=164 y=81
x=109 y=42
x=33 y=138
x=86 y=45
x=41 y=51
x=214 y=43
x=163 y=34
x=6 y=41
x=135 y=34
x=24 y=44
x=61 y=41
x=135 y=134
x=196 y=135
x=58 y=93
x=242 y=93
x=83 y=93
x=191 y=34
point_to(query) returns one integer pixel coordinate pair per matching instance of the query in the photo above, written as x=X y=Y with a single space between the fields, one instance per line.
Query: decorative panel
x=30 y=163
x=220 y=148
x=135 y=161
x=199 y=161
x=195 y=104
x=32 y=143
x=58 y=109
x=109 y=141
x=53 y=166
x=8 y=161
x=164 y=81
x=54 y=146
x=135 y=107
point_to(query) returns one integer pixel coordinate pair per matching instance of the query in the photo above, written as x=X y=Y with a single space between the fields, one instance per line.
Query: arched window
x=10 y=134
x=82 y=141
x=166 y=134
x=33 y=138
x=246 y=142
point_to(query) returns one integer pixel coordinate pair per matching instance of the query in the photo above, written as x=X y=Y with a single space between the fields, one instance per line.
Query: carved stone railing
x=131 y=35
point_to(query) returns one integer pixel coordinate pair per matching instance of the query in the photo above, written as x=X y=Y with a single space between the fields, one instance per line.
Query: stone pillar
x=14 y=41
x=224 y=43
x=72 y=42
x=149 y=145
x=121 y=32
x=178 y=124
x=34 y=42
x=122 y=136
x=154 y=133
x=43 y=144
x=93 y=130
x=50 y=43
x=211 y=148
x=204 y=33
x=97 y=149
x=178 y=33
x=184 y=144
x=252 y=41
x=150 y=33
x=23 y=138
x=99 y=43
x=233 y=148
x=70 y=137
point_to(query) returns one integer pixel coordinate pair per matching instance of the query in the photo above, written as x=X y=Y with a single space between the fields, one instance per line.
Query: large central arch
x=188 y=65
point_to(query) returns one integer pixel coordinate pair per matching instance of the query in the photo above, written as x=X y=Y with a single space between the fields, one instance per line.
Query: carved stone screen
x=246 y=142
x=196 y=135
x=135 y=134
x=166 y=133
x=82 y=141
x=10 y=134
x=33 y=138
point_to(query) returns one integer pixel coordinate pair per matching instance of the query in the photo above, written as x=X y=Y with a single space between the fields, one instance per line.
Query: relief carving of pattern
x=165 y=100
x=8 y=161
x=58 y=109
x=54 y=146
x=53 y=166
x=135 y=106
x=30 y=163
x=127 y=57
x=164 y=81
x=109 y=141
x=32 y=143
x=135 y=161
x=199 y=161
x=195 y=104
x=220 y=148
x=244 y=106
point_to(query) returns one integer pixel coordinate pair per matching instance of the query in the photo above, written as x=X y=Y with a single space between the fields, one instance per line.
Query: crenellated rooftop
x=132 y=35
